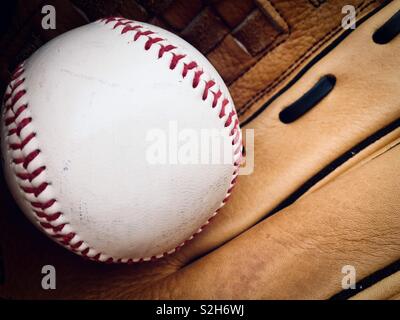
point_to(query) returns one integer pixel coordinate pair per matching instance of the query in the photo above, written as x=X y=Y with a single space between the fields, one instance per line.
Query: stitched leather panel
x=351 y=216
x=256 y=45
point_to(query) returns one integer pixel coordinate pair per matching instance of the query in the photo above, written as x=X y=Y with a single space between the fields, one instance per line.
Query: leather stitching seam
x=27 y=161
x=289 y=70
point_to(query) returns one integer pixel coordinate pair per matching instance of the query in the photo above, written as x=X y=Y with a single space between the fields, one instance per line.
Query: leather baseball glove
x=320 y=209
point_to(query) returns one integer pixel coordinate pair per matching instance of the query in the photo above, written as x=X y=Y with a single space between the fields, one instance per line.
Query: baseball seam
x=30 y=170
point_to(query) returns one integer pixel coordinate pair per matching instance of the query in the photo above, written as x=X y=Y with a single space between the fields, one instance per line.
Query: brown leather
x=256 y=45
x=300 y=31
x=348 y=217
x=388 y=288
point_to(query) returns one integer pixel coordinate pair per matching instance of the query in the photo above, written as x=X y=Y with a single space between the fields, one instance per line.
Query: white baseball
x=77 y=118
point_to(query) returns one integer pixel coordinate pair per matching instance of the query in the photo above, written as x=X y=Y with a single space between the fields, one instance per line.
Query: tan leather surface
x=396 y=297
x=278 y=258
x=256 y=45
x=350 y=217
x=287 y=155
x=388 y=288
x=308 y=29
x=281 y=258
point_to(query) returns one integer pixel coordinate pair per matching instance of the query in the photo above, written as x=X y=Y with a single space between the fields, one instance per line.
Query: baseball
x=120 y=141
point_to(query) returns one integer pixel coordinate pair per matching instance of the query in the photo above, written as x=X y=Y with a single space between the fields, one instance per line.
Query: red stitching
x=56 y=229
x=20 y=146
x=107 y=19
x=18 y=160
x=16 y=97
x=30 y=157
x=96 y=257
x=36 y=190
x=11 y=94
x=119 y=23
x=151 y=41
x=17 y=73
x=20 y=110
x=76 y=245
x=175 y=59
x=129 y=28
x=22 y=124
x=40 y=207
x=223 y=107
x=18 y=83
x=164 y=49
x=196 y=78
x=141 y=33
x=48 y=217
x=31 y=176
x=11 y=132
x=217 y=95
x=237 y=135
x=109 y=260
x=208 y=86
x=9 y=120
x=43 y=205
x=6 y=97
x=187 y=67
x=65 y=239
x=229 y=120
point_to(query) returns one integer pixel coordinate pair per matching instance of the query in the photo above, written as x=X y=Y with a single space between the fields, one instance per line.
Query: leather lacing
x=386 y=33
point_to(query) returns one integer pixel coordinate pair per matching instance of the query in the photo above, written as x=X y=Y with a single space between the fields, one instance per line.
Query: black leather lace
x=388 y=31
